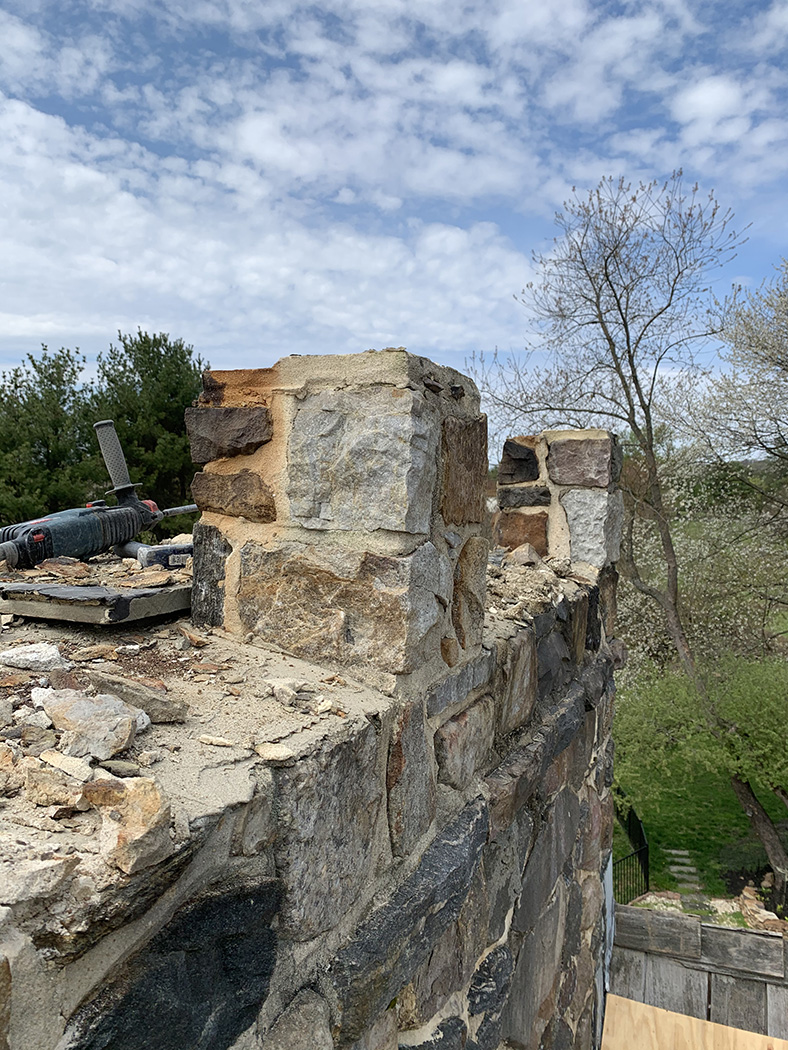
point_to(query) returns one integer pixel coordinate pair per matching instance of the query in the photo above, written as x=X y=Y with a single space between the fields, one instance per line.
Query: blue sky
x=265 y=178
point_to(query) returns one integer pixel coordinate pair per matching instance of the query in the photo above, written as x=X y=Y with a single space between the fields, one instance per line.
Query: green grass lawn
x=702 y=815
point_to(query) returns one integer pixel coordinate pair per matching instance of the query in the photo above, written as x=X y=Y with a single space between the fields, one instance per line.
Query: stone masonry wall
x=407 y=846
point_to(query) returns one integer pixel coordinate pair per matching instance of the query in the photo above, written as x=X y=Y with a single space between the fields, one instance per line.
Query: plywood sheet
x=630 y=1025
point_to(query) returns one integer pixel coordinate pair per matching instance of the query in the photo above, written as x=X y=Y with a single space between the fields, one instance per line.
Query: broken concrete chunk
x=42 y=656
x=100 y=725
x=158 y=707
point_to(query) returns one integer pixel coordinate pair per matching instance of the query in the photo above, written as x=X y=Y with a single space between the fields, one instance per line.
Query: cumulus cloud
x=266 y=178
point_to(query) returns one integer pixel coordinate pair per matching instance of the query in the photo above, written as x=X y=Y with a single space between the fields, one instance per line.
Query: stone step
x=678 y=852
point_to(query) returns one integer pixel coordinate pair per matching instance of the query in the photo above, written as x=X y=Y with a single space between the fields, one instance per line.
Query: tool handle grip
x=113 y=454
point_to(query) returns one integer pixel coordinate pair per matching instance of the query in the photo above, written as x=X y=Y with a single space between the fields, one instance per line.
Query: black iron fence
x=630 y=873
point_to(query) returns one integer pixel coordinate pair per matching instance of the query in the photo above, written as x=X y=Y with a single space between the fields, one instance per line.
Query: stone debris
x=43 y=656
x=135 y=829
x=99 y=726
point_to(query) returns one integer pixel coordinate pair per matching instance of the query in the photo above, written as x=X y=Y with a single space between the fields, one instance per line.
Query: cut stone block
x=347 y=606
x=400 y=934
x=581 y=461
x=531 y=1001
x=410 y=780
x=512 y=496
x=553 y=846
x=518 y=461
x=463 y=743
x=363 y=462
x=339 y=787
x=516 y=681
x=595 y=520
x=215 y=433
x=465 y=470
x=211 y=551
x=511 y=528
x=470 y=583
x=241 y=495
x=200 y=981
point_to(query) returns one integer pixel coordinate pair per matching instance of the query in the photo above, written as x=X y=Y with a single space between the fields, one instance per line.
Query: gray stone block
x=551 y=850
x=516 y=681
x=595 y=520
x=410 y=780
x=328 y=805
x=399 y=935
x=511 y=496
x=215 y=433
x=463 y=744
x=472 y=677
x=531 y=1000
x=211 y=551
x=363 y=460
x=304 y=1025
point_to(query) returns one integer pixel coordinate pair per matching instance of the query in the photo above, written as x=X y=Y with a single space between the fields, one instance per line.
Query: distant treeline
x=49 y=456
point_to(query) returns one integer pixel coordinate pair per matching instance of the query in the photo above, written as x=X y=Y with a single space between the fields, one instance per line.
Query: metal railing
x=630 y=873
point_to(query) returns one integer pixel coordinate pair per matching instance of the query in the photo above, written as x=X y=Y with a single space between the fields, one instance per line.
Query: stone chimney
x=342 y=501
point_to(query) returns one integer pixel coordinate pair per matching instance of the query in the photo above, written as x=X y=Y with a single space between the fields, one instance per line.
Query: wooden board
x=99 y=605
x=751 y=951
x=672 y=986
x=635 y=1026
x=656 y=931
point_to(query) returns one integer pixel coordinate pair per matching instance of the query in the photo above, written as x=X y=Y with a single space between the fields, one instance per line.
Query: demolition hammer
x=83 y=531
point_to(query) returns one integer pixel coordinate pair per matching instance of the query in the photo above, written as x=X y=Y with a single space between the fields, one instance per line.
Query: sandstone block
x=410 y=780
x=511 y=528
x=240 y=495
x=462 y=745
x=511 y=496
x=581 y=461
x=347 y=606
x=363 y=462
x=135 y=829
x=328 y=840
x=45 y=786
x=518 y=461
x=400 y=933
x=595 y=520
x=464 y=470
x=515 y=682
x=215 y=433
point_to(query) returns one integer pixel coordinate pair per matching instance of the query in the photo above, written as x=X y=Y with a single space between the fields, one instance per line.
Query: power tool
x=84 y=531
